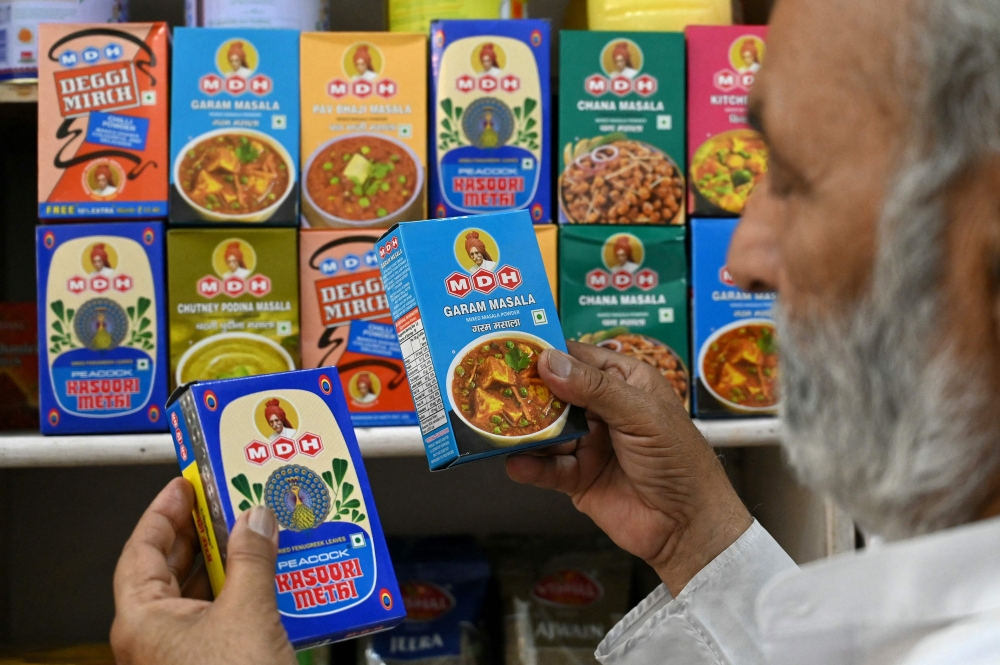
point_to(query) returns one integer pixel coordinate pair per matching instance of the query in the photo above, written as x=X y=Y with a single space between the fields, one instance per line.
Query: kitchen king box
x=473 y=310
x=286 y=442
x=234 y=127
x=102 y=353
x=102 y=121
x=490 y=118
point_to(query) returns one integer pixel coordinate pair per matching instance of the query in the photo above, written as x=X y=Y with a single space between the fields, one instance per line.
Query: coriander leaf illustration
x=516 y=359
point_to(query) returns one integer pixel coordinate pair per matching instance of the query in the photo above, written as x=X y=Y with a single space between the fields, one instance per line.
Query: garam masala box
x=621 y=128
x=286 y=442
x=234 y=127
x=234 y=302
x=102 y=121
x=490 y=117
x=474 y=311
x=102 y=353
x=726 y=158
x=364 y=128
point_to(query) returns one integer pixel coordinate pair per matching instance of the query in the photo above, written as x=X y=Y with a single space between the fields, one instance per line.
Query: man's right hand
x=644 y=474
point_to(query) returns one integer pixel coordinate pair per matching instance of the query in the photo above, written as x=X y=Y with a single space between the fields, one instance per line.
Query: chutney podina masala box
x=473 y=310
x=286 y=442
x=726 y=158
x=102 y=354
x=102 y=121
x=234 y=303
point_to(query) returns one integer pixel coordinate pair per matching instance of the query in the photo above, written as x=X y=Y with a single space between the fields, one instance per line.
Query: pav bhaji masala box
x=234 y=127
x=102 y=353
x=490 y=117
x=286 y=442
x=102 y=121
x=473 y=311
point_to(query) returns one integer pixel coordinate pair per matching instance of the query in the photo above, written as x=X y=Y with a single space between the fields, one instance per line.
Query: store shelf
x=13 y=93
x=34 y=450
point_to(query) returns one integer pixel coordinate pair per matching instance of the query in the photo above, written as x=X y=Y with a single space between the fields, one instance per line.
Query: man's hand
x=157 y=620
x=644 y=474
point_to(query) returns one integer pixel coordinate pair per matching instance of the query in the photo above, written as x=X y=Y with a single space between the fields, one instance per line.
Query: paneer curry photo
x=739 y=366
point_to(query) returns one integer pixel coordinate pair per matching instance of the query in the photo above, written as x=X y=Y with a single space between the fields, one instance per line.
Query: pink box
x=726 y=159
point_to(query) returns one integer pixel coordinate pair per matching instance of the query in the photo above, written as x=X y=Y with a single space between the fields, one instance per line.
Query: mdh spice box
x=548 y=243
x=102 y=358
x=234 y=303
x=473 y=311
x=340 y=282
x=621 y=128
x=102 y=121
x=726 y=158
x=286 y=442
x=373 y=377
x=491 y=116
x=18 y=365
x=234 y=133
x=735 y=345
x=364 y=128
x=626 y=290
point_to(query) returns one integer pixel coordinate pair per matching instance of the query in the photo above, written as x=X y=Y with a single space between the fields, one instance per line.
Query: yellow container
x=416 y=15
x=657 y=15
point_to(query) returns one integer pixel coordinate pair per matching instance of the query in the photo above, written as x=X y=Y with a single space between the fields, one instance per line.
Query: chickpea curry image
x=473 y=310
x=286 y=442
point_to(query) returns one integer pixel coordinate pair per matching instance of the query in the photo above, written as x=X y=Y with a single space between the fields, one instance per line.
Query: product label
x=373 y=378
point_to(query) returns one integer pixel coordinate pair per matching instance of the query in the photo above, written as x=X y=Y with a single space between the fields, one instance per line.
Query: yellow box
x=548 y=242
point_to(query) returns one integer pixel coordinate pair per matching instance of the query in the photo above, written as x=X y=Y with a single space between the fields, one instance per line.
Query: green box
x=626 y=289
x=234 y=303
x=621 y=128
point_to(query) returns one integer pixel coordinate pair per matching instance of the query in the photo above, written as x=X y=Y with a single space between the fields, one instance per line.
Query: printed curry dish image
x=739 y=366
x=727 y=167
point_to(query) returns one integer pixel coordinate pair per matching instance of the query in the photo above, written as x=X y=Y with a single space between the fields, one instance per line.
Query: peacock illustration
x=489 y=137
x=297 y=496
x=101 y=341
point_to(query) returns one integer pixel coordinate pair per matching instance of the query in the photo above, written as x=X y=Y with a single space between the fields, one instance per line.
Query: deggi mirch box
x=102 y=353
x=234 y=303
x=234 y=127
x=286 y=442
x=491 y=117
x=374 y=377
x=102 y=121
x=473 y=310
x=734 y=337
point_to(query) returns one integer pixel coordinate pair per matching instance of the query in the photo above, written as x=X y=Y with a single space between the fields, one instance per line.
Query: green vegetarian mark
x=242 y=485
x=62 y=336
x=245 y=151
x=449 y=135
x=139 y=336
x=343 y=504
x=517 y=359
x=527 y=135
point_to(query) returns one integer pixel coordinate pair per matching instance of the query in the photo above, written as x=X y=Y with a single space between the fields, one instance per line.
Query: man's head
x=879 y=225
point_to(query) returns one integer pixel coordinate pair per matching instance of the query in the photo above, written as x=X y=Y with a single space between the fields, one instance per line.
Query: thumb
x=250 y=562
x=607 y=396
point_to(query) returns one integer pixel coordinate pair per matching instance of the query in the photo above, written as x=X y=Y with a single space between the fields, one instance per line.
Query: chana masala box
x=621 y=128
x=102 y=353
x=364 y=128
x=102 y=121
x=286 y=442
x=726 y=158
x=473 y=311
x=234 y=127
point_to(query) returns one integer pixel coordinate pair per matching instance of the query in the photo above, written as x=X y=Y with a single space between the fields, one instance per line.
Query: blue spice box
x=473 y=310
x=102 y=353
x=285 y=441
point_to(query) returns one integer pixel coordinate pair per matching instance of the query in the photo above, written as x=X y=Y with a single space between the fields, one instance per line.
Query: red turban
x=99 y=251
x=361 y=53
x=236 y=48
x=489 y=51
x=472 y=240
x=624 y=244
x=365 y=379
x=233 y=251
x=621 y=50
x=272 y=409
x=104 y=170
x=751 y=46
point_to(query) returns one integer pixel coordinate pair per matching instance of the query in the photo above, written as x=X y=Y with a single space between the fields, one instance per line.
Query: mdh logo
x=568 y=588
x=389 y=247
x=283 y=448
x=726 y=277
x=210 y=286
x=622 y=280
x=213 y=84
x=598 y=85
x=121 y=282
x=483 y=281
x=339 y=88
x=425 y=601
x=727 y=80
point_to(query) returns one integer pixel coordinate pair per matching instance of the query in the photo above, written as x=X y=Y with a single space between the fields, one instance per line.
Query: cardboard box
x=234 y=303
x=364 y=128
x=621 y=128
x=726 y=158
x=626 y=290
x=548 y=244
x=735 y=351
x=473 y=310
x=373 y=377
x=102 y=121
x=234 y=132
x=286 y=442
x=102 y=353
x=340 y=282
x=491 y=117
x=18 y=366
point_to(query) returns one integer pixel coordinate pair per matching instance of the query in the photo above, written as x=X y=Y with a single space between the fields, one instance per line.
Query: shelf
x=23 y=93
x=34 y=450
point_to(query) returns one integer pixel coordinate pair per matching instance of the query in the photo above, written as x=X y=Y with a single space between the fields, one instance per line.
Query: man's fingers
x=250 y=561
x=143 y=570
x=560 y=473
x=628 y=369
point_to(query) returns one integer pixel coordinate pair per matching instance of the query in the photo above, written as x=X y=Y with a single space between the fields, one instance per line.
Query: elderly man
x=879 y=225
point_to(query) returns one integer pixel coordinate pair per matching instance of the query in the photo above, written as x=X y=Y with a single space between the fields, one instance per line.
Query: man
x=277 y=419
x=879 y=225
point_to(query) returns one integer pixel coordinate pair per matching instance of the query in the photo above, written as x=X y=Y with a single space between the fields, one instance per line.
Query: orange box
x=102 y=121
x=548 y=243
x=373 y=376
x=364 y=128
